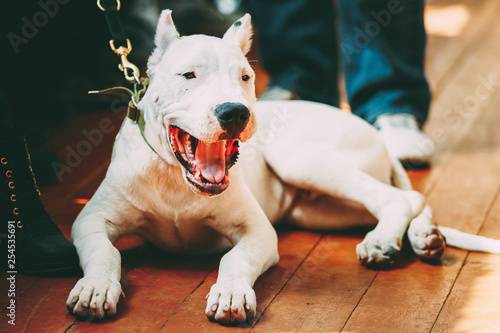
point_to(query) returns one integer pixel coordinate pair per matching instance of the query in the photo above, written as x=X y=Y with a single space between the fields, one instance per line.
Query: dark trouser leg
x=298 y=47
x=382 y=52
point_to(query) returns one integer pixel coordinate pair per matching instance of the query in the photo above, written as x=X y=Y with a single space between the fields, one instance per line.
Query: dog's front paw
x=94 y=297
x=378 y=252
x=231 y=304
x=428 y=242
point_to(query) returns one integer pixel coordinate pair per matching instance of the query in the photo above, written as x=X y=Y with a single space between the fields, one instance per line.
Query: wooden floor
x=318 y=285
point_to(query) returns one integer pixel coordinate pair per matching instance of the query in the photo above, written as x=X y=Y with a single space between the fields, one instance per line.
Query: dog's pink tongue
x=211 y=160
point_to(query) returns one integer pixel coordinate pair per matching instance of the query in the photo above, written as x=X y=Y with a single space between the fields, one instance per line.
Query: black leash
x=120 y=45
x=110 y=9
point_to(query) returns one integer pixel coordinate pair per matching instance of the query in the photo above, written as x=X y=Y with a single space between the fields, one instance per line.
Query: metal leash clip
x=130 y=70
x=118 y=5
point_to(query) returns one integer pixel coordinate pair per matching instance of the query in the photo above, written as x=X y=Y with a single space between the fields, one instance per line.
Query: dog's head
x=199 y=104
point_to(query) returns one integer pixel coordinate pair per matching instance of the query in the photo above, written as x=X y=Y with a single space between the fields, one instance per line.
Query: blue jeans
x=379 y=51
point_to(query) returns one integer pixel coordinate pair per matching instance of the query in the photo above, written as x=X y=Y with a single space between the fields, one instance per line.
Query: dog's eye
x=245 y=77
x=189 y=75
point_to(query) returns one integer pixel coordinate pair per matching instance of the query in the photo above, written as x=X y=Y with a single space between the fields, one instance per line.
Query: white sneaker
x=404 y=140
x=276 y=93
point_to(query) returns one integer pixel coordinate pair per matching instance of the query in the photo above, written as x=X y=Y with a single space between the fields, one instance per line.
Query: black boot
x=40 y=247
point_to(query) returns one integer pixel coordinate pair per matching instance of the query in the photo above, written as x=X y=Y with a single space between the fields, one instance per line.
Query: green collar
x=133 y=111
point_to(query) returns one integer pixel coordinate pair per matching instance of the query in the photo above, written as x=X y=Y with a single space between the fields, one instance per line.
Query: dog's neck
x=147 y=127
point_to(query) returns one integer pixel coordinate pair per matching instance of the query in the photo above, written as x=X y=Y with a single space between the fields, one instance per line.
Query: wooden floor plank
x=473 y=303
x=491 y=228
x=22 y=285
x=406 y=298
x=455 y=28
x=154 y=290
x=82 y=155
x=294 y=246
x=42 y=308
x=323 y=292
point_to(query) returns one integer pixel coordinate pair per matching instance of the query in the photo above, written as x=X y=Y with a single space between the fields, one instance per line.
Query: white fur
x=310 y=164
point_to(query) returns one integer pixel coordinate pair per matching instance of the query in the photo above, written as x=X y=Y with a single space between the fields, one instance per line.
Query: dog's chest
x=171 y=216
x=181 y=229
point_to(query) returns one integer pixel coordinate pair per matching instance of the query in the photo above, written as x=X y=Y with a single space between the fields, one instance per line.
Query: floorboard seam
x=486 y=215
x=451 y=155
x=288 y=280
x=70 y=326
x=186 y=299
x=35 y=309
x=18 y=297
x=449 y=291
x=359 y=301
x=488 y=211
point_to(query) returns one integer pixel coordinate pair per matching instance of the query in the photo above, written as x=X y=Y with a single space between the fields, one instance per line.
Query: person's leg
x=31 y=241
x=382 y=53
x=297 y=46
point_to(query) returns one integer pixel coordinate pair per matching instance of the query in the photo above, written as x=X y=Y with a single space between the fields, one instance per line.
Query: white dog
x=309 y=164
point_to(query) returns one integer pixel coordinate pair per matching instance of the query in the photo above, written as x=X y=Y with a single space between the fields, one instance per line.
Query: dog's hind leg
x=392 y=207
x=425 y=238
x=324 y=212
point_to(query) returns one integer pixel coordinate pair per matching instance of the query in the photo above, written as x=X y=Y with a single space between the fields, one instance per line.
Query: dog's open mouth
x=206 y=164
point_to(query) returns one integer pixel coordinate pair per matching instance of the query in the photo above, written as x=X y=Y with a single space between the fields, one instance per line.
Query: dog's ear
x=240 y=33
x=166 y=33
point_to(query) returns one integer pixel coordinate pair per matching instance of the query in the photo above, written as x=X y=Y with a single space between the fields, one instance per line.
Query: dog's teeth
x=190 y=155
x=187 y=143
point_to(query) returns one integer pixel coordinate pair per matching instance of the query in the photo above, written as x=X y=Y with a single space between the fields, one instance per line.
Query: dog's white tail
x=465 y=241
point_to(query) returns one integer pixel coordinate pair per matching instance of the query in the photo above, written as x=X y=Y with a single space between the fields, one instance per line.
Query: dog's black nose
x=232 y=117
